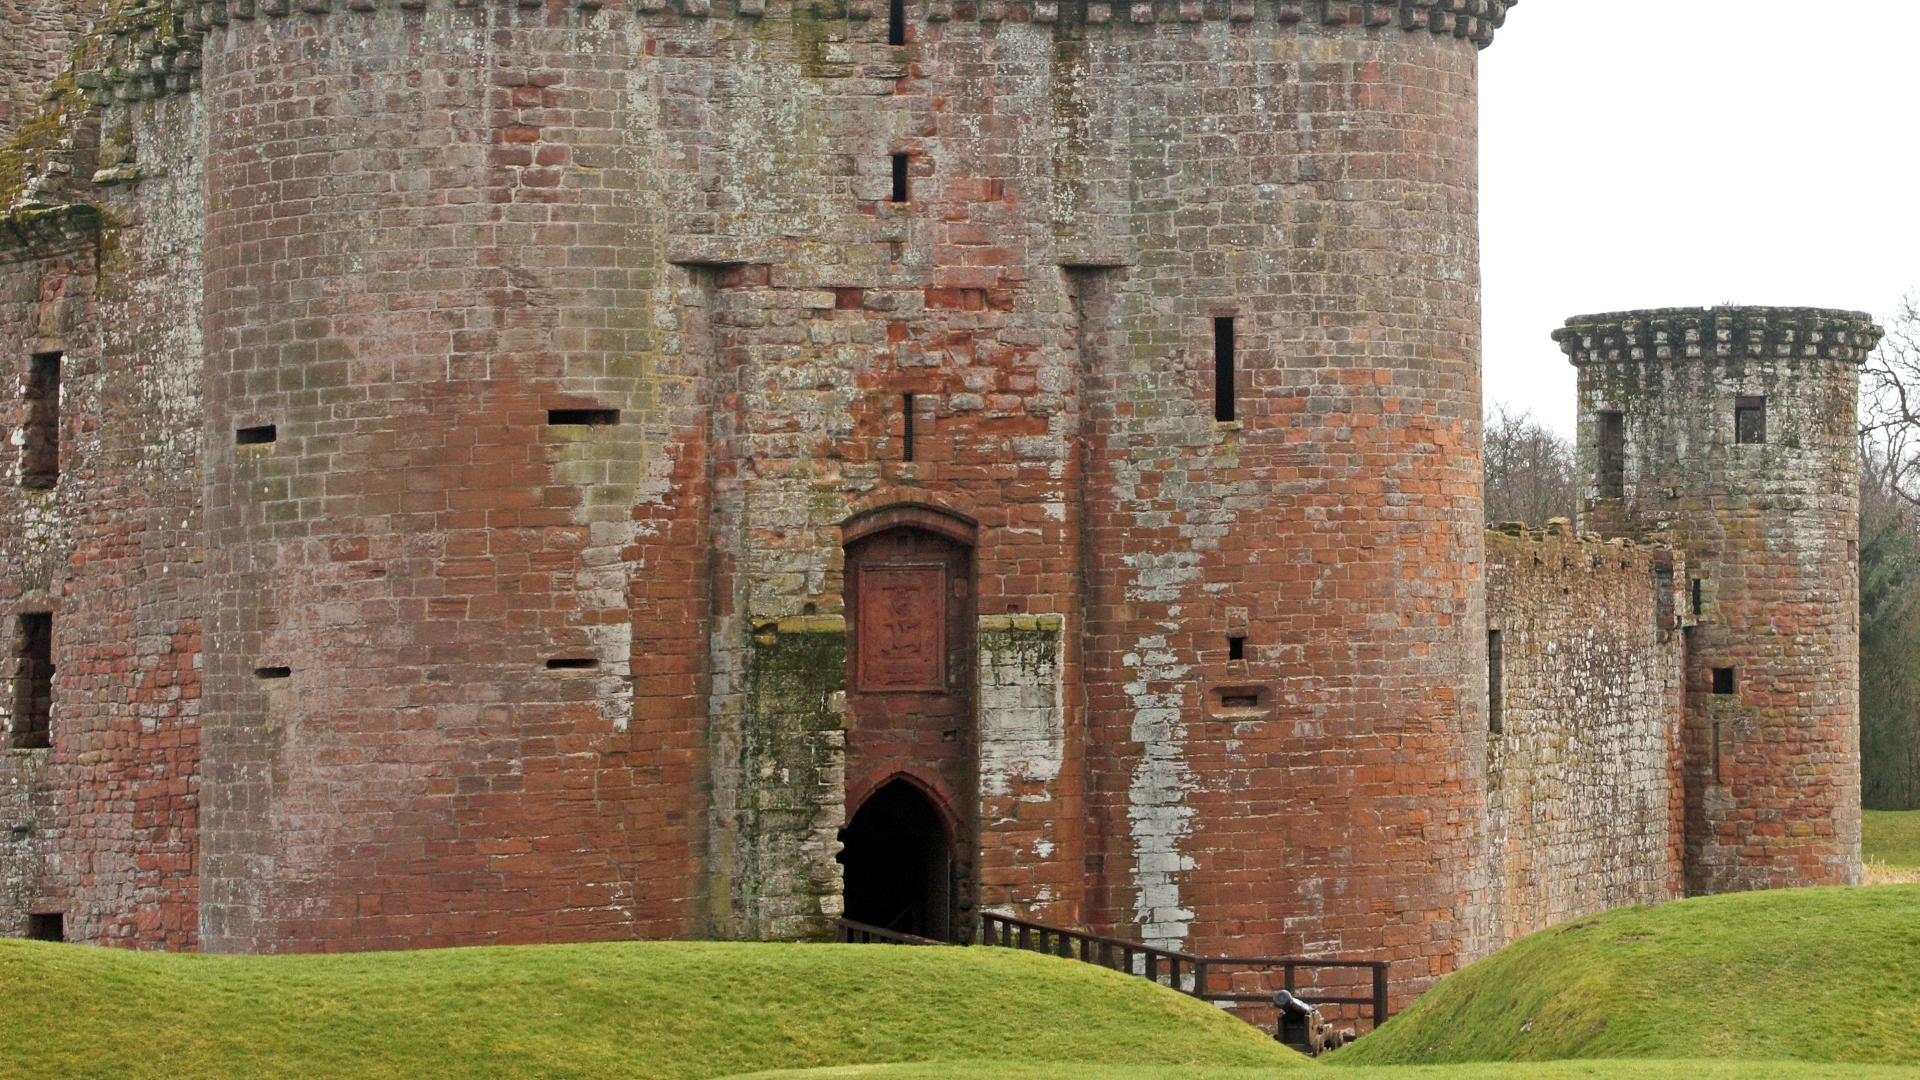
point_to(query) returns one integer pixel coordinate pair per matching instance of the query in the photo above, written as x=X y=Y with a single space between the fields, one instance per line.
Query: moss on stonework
x=818 y=25
x=790 y=752
x=1030 y=643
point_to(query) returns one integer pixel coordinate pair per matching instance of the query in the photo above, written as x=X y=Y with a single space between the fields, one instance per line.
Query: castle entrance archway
x=899 y=864
x=910 y=713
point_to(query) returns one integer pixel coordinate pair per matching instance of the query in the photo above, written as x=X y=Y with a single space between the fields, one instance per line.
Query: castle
x=497 y=471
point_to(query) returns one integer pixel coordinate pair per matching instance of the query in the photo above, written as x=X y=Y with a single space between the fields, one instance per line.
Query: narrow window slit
x=1699 y=596
x=900 y=178
x=273 y=673
x=897 y=22
x=1223 y=369
x=33 y=683
x=906 y=427
x=40 y=456
x=572 y=663
x=255 y=436
x=1240 y=701
x=583 y=417
x=1496 y=683
x=1236 y=648
x=1750 y=420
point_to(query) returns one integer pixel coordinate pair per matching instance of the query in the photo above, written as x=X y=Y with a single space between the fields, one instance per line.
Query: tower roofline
x=1730 y=331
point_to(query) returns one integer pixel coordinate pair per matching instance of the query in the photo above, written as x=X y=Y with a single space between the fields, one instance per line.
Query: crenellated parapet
x=1725 y=332
x=153 y=48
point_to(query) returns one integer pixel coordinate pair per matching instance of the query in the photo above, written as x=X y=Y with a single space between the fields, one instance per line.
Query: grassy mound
x=1827 y=975
x=1891 y=837
x=667 y=1010
x=1559 y=1070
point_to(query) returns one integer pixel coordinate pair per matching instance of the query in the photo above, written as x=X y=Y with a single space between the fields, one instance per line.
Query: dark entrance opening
x=899 y=864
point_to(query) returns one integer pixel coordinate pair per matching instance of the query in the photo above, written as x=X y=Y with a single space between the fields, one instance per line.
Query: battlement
x=155 y=46
x=1670 y=333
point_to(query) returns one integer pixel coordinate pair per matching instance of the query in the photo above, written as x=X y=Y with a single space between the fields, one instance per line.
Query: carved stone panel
x=903 y=622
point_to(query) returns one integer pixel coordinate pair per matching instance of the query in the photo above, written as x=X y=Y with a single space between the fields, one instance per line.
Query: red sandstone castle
x=570 y=470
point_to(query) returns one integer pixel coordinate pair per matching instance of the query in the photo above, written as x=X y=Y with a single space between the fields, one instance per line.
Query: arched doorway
x=910 y=713
x=898 y=862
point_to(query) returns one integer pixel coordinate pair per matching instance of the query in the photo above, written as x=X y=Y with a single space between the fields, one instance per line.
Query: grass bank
x=1891 y=837
x=1816 y=975
x=1558 y=1070
x=636 y=1011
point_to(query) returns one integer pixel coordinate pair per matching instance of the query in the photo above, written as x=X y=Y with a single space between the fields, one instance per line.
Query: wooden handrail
x=1008 y=931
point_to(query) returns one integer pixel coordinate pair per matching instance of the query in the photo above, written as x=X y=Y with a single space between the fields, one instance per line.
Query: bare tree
x=1529 y=469
x=1890 y=566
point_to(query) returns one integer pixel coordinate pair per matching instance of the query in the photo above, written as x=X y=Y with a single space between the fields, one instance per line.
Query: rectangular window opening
x=897 y=22
x=46 y=926
x=1223 y=369
x=1750 y=420
x=273 y=673
x=1714 y=755
x=1699 y=596
x=1239 y=701
x=1723 y=681
x=899 y=178
x=256 y=436
x=1496 y=679
x=906 y=427
x=1663 y=600
x=40 y=456
x=572 y=663
x=583 y=417
x=33 y=683
x=1236 y=648
x=1612 y=443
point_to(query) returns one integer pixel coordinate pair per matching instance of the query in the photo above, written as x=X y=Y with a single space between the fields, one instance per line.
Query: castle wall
x=36 y=40
x=427 y=231
x=1334 y=523
x=1770 y=530
x=1583 y=778
x=113 y=550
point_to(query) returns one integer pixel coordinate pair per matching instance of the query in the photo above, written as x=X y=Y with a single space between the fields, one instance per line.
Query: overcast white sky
x=1690 y=153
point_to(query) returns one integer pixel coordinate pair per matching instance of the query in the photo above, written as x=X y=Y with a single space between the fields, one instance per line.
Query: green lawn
x=1811 y=975
x=1563 y=1070
x=672 y=1011
x=1891 y=837
x=1806 y=977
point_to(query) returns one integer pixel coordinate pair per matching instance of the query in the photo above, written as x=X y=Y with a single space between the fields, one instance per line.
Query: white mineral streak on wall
x=1022 y=712
x=1156 y=798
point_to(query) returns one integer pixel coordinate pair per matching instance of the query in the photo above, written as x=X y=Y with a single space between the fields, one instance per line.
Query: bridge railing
x=1229 y=980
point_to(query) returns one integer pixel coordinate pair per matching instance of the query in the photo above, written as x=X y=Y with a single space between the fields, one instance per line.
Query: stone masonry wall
x=1770 y=530
x=1583 y=781
x=113 y=550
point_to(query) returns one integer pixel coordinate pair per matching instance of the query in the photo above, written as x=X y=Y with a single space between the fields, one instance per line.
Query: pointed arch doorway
x=898 y=863
x=910 y=758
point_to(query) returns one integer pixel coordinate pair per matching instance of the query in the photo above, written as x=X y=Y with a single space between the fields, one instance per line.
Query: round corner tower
x=1731 y=431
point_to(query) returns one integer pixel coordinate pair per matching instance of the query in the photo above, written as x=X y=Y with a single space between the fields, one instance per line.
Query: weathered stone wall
x=1771 y=532
x=113 y=550
x=426 y=230
x=1334 y=523
x=1583 y=781
x=37 y=38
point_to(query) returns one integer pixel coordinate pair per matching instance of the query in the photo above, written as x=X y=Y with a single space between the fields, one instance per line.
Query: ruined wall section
x=1768 y=516
x=1583 y=781
x=112 y=550
x=1315 y=182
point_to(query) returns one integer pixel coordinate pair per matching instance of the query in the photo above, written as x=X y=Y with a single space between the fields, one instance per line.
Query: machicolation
x=554 y=471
